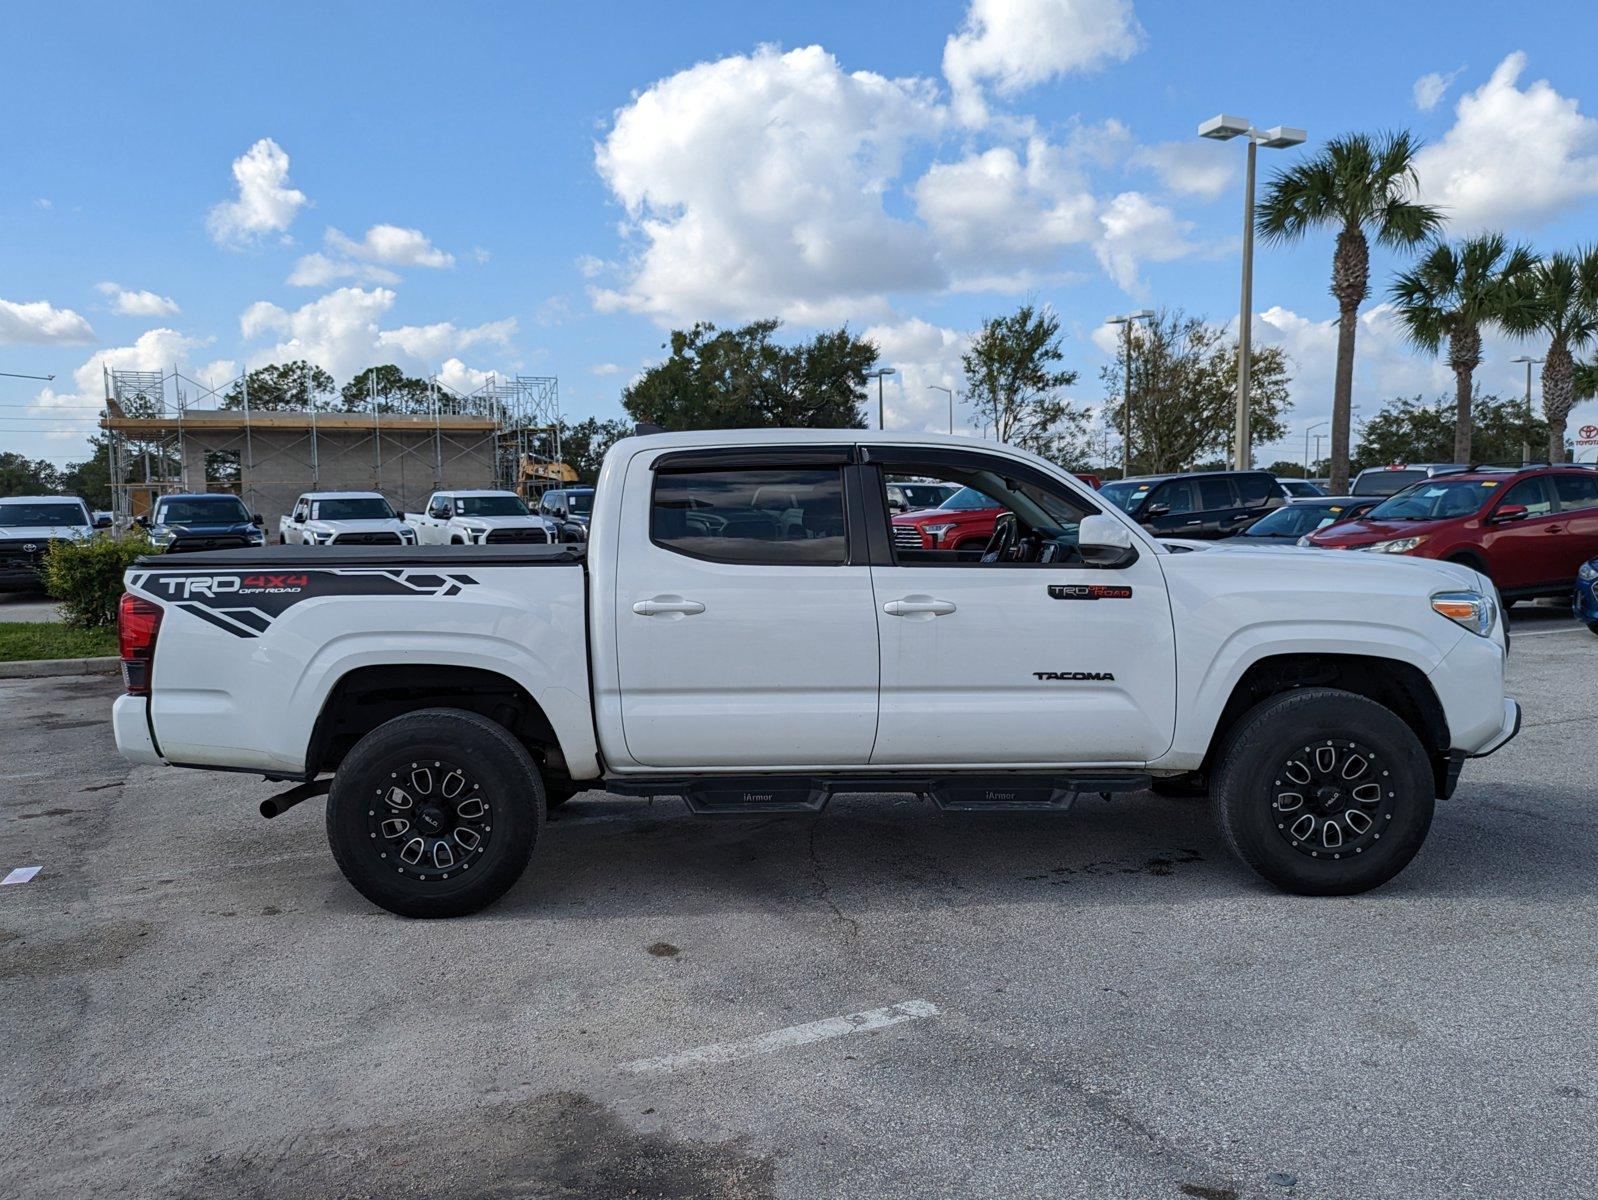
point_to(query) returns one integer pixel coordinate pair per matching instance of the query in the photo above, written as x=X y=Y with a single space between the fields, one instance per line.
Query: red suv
x=1528 y=530
x=963 y=522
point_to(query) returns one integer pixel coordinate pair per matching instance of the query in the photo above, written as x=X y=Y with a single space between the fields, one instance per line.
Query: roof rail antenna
x=645 y=428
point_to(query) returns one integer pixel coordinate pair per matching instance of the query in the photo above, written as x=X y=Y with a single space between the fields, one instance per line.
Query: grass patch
x=22 y=641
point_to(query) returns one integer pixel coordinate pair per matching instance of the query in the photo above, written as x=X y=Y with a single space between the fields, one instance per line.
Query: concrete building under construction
x=169 y=433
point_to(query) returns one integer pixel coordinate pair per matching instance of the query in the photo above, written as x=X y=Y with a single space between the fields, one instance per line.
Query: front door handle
x=668 y=606
x=918 y=607
x=1553 y=529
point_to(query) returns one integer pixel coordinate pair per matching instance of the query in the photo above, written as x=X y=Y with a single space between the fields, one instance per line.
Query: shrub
x=87 y=576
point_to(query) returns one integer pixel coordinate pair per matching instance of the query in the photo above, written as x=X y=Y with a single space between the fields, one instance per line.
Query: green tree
x=91 y=478
x=1449 y=295
x=743 y=379
x=1012 y=377
x=583 y=444
x=282 y=385
x=1357 y=183
x=1184 y=393
x=1412 y=429
x=22 y=476
x=1563 y=295
x=394 y=390
x=1290 y=469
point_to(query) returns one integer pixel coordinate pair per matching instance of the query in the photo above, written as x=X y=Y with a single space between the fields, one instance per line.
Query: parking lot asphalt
x=28 y=606
x=1100 y=1004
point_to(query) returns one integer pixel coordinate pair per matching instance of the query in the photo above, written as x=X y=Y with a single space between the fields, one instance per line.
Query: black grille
x=228 y=541
x=532 y=537
x=367 y=539
x=15 y=555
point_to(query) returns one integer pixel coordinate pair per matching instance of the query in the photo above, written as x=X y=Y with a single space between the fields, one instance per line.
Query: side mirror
x=142 y=522
x=1509 y=512
x=102 y=522
x=1154 y=510
x=1105 y=542
x=561 y=513
x=258 y=520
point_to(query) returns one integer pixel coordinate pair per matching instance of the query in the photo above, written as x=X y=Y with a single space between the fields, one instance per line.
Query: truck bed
x=507 y=555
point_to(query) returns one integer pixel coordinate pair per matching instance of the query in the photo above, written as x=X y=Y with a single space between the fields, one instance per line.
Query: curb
x=44 y=668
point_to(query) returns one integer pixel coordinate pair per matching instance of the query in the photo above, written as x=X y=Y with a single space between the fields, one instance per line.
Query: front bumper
x=19 y=579
x=1506 y=732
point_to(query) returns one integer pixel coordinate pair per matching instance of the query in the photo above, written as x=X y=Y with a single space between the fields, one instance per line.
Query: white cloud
x=603 y=369
x=754 y=186
x=458 y=377
x=1431 y=87
x=155 y=350
x=40 y=323
x=591 y=265
x=266 y=203
x=391 y=245
x=1189 y=167
x=1137 y=230
x=1017 y=44
x=1514 y=156
x=44 y=202
x=318 y=270
x=138 y=303
x=427 y=343
x=923 y=354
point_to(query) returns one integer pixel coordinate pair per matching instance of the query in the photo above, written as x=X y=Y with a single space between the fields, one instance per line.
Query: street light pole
x=1525 y=446
x=1308 y=430
x=1223 y=128
x=878 y=374
x=934 y=387
x=1127 y=320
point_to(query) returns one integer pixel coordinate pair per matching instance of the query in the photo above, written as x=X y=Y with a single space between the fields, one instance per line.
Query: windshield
x=580 y=504
x=924 y=495
x=1295 y=520
x=491 y=506
x=64 y=513
x=1435 y=500
x=1126 y=494
x=218 y=510
x=967 y=498
x=354 y=508
x=1384 y=482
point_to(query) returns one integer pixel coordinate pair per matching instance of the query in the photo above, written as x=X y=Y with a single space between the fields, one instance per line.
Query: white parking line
x=1515 y=637
x=20 y=875
x=783 y=1039
x=27 y=775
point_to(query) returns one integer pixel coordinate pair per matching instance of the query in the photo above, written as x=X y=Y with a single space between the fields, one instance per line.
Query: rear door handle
x=1553 y=529
x=922 y=607
x=668 y=606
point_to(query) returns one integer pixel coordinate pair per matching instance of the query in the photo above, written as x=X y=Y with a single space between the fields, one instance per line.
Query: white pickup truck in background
x=479 y=518
x=742 y=630
x=28 y=524
x=344 y=519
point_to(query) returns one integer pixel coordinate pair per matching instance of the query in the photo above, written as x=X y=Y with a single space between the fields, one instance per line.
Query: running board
x=763 y=794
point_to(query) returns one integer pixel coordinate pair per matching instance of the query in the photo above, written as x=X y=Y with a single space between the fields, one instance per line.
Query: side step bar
x=762 y=794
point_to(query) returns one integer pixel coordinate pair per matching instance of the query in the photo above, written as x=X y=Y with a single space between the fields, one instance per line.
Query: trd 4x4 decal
x=245 y=603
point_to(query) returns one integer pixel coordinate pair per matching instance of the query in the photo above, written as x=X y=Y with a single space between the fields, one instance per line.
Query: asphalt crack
x=824 y=889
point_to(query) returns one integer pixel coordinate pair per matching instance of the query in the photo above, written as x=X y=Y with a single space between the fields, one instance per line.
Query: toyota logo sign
x=1589 y=432
x=28 y=547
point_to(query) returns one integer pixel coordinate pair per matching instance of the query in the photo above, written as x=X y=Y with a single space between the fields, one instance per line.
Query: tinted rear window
x=1384 y=482
x=756 y=515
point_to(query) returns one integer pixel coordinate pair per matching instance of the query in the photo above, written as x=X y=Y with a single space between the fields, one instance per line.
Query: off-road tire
x=1247 y=785
x=501 y=772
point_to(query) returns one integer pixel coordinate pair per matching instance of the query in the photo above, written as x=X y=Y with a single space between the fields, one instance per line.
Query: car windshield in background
x=923 y=495
x=1295 y=520
x=966 y=499
x=1435 y=501
x=580 y=503
x=1125 y=495
x=491 y=506
x=1385 y=483
x=358 y=508
x=224 y=510
x=42 y=514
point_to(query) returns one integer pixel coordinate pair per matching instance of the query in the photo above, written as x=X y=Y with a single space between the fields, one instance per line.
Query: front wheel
x=1593 y=626
x=435 y=813
x=1323 y=792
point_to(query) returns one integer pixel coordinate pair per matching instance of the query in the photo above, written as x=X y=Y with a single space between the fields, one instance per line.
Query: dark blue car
x=202 y=521
x=1587 y=594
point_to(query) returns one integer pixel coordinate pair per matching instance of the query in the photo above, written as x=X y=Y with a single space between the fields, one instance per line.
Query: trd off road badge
x=1090 y=591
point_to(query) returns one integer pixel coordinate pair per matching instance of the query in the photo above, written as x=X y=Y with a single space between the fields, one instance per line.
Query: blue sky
x=549 y=189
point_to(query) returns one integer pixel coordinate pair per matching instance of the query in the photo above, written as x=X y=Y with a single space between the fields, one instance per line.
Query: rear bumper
x=130 y=721
x=1506 y=732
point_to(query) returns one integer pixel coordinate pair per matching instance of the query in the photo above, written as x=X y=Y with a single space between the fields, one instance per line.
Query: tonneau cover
x=271 y=557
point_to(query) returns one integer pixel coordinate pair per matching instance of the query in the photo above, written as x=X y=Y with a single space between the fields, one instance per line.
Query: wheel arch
x=1398 y=686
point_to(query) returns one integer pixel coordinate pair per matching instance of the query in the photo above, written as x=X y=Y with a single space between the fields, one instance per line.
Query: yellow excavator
x=536 y=476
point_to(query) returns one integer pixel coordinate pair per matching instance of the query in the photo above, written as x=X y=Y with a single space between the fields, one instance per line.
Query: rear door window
x=770 y=515
x=1576 y=491
x=1256 y=489
x=1215 y=493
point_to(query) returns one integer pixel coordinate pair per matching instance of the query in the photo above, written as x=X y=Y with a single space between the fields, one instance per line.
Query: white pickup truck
x=344 y=519
x=754 y=659
x=479 y=518
x=28 y=524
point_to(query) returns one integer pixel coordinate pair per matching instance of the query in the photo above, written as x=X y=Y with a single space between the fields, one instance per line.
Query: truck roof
x=42 y=499
x=331 y=495
x=474 y=492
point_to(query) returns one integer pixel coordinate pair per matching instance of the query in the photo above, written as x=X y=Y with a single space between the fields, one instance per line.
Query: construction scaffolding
x=170 y=433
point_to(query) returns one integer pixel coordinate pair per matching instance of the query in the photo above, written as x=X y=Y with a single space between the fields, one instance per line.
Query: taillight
x=138 y=621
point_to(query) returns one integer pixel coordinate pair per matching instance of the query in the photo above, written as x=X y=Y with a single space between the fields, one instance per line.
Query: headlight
x=1589 y=570
x=1304 y=541
x=168 y=535
x=407 y=534
x=1397 y=545
x=937 y=531
x=1473 y=610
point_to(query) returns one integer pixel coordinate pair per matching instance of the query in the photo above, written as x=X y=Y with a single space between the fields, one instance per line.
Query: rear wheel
x=1323 y=792
x=435 y=813
x=1593 y=626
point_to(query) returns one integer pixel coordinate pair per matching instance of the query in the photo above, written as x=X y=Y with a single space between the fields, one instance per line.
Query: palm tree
x=1449 y=295
x=1359 y=182
x=1563 y=294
